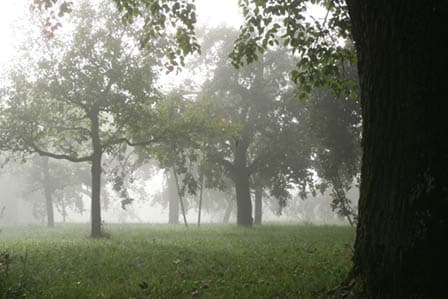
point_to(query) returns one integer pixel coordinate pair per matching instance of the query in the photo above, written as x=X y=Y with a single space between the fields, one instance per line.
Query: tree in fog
x=127 y=174
x=185 y=123
x=400 y=247
x=269 y=143
x=170 y=193
x=60 y=184
x=77 y=101
x=335 y=131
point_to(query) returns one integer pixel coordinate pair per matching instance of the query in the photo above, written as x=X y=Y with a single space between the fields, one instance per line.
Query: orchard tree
x=335 y=130
x=400 y=249
x=78 y=100
x=269 y=140
x=185 y=124
x=60 y=184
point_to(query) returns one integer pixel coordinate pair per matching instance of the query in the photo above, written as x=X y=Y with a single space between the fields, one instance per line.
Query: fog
x=21 y=206
x=238 y=145
x=212 y=149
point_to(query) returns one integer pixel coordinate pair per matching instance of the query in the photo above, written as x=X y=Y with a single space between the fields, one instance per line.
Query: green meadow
x=157 y=261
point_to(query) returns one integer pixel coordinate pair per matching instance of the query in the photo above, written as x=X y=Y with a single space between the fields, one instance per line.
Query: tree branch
x=228 y=166
x=129 y=142
x=61 y=156
x=80 y=129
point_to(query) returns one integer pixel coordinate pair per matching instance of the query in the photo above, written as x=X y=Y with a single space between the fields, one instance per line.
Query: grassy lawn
x=156 y=261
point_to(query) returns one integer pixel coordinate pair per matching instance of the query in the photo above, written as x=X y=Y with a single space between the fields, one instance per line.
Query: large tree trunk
x=402 y=234
x=243 y=201
x=173 y=199
x=96 y=231
x=240 y=177
x=258 y=205
x=48 y=192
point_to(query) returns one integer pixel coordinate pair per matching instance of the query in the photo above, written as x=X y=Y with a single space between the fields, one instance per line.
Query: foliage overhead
x=99 y=74
x=159 y=16
x=171 y=19
x=319 y=44
x=259 y=102
x=335 y=129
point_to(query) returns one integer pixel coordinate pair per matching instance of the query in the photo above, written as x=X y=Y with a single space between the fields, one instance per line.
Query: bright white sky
x=211 y=12
x=9 y=11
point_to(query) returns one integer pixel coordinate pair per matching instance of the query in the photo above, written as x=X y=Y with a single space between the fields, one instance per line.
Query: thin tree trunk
x=402 y=234
x=228 y=211
x=350 y=220
x=173 y=199
x=63 y=210
x=343 y=202
x=258 y=205
x=201 y=191
x=48 y=192
x=179 y=193
x=2 y=212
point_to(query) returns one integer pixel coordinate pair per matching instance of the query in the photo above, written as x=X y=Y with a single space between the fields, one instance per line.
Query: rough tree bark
x=402 y=234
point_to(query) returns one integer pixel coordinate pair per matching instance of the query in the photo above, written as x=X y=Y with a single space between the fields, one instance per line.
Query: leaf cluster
x=319 y=44
x=159 y=17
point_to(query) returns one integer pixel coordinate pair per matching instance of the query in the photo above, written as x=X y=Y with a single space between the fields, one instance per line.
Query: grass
x=155 y=261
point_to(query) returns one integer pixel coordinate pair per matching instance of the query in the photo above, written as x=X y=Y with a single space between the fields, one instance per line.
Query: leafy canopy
x=173 y=20
x=319 y=44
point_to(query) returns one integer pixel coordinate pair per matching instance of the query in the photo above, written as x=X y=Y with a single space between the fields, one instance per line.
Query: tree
x=169 y=197
x=258 y=102
x=153 y=16
x=59 y=184
x=258 y=205
x=335 y=127
x=81 y=99
x=400 y=248
x=181 y=121
x=173 y=198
